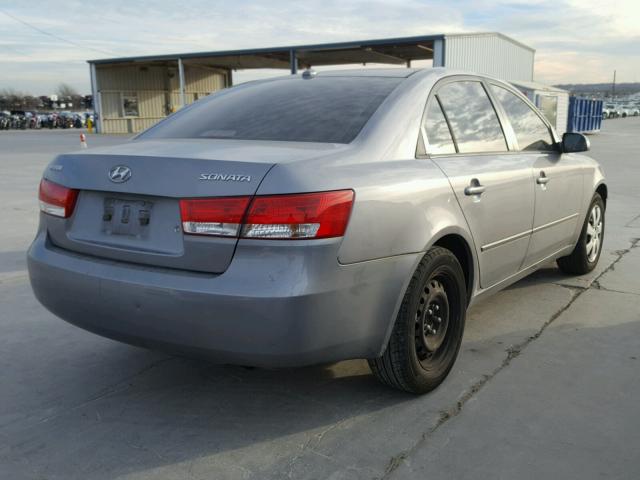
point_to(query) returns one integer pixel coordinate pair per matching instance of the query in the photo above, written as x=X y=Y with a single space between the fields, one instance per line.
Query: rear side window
x=531 y=132
x=437 y=130
x=473 y=120
x=327 y=110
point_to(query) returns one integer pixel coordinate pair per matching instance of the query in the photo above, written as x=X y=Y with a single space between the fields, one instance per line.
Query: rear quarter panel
x=401 y=206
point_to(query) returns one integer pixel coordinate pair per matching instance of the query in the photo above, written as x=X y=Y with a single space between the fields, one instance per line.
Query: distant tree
x=65 y=90
x=69 y=96
x=46 y=102
x=11 y=99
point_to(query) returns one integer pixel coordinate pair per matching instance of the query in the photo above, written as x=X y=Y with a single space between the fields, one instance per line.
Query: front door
x=558 y=181
x=559 y=191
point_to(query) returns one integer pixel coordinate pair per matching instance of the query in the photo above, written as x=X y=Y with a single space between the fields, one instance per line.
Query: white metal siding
x=489 y=54
x=563 y=113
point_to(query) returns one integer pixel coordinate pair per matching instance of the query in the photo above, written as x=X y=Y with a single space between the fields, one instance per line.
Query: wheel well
x=602 y=190
x=459 y=247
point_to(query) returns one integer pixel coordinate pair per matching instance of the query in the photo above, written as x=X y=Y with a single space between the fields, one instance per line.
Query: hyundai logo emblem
x=119 y=174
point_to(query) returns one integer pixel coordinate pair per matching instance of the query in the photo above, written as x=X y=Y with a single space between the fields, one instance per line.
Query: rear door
x=558 y=181
x=494 y=188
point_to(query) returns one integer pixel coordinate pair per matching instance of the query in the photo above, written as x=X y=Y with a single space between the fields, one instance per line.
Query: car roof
x=370 y=72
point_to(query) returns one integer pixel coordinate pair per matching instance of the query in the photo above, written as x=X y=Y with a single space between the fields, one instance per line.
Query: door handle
x=474 y=188
x=542 y=179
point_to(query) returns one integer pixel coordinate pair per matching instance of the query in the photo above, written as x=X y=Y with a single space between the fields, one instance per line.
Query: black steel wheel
x=428 y=331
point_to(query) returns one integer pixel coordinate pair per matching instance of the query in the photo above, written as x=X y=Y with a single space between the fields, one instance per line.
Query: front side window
x=437 y=130
x=474 y=122
x=321 y=109
x=531 y=132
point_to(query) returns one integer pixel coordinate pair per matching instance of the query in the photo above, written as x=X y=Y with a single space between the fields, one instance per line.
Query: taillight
x=304 y=215
x=56 y=200
x=213 y=216
x=297 y=216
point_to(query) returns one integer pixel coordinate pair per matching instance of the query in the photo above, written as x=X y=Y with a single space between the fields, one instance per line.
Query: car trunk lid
x=128 y=206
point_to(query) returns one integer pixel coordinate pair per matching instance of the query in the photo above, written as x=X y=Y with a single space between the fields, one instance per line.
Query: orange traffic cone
x=83 y=140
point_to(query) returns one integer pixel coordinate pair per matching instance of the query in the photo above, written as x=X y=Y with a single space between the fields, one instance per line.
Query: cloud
x=576 y=40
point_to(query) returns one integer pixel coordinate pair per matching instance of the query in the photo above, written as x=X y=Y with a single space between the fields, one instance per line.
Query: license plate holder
x=126 y=217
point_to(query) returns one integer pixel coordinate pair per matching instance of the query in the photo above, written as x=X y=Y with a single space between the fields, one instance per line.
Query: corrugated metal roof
x=485 y=52
x=400 y=49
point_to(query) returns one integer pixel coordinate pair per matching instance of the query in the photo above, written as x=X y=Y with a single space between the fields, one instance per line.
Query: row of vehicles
x=621 y=110
x=23 y=120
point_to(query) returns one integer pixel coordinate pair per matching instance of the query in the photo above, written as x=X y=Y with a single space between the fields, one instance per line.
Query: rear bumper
x=274 y=306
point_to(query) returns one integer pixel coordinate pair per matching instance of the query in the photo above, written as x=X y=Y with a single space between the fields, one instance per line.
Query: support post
x=95 y=97
x=181 y=75
x=293 y=61
x=409 y=63
x=438 y=52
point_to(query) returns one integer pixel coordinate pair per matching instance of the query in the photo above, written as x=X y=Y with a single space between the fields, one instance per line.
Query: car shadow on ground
x=234 y=422
x=550 y=274
x=177 y=410
x=168 y=412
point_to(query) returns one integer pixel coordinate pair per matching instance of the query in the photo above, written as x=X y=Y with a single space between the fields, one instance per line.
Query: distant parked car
x=78 y=120
x=610 y=111
x=5 y=120
x=66 y=120
x=317 y=218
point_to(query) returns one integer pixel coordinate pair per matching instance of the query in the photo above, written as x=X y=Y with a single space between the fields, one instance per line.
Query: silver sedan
x=316 y=218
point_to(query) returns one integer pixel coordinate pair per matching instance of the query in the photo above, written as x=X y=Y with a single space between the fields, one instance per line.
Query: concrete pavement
x=546 y=384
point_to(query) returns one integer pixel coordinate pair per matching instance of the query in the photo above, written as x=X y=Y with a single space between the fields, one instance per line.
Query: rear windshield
x=326 y=110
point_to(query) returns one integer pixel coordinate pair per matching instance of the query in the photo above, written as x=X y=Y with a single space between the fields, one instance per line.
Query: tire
x=421 y=351
x=584 y=258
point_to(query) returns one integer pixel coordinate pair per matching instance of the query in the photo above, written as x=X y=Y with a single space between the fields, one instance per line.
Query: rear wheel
x=428 y=331
x=586 y=254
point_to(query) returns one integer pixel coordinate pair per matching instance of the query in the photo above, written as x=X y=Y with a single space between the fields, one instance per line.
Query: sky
x=44 y=43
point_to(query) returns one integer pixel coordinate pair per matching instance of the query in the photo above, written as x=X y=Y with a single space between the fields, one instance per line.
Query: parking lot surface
x=547 y=383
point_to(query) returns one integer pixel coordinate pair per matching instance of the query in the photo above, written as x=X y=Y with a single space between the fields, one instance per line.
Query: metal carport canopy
x=391 y=51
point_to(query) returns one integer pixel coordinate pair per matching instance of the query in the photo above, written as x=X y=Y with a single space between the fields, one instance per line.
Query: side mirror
x=574 y=143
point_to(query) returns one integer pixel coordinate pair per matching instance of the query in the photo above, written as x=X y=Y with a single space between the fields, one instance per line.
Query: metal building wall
x=199 y=82
x=562 y=107
x=489 y=54
x=563 y=113
x=157 y=88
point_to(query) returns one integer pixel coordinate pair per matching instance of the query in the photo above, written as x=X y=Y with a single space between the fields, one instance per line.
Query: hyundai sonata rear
x=318 y=218
x=193 y=238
